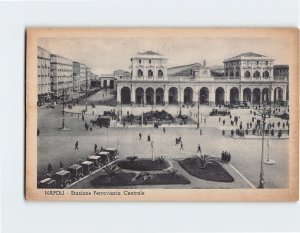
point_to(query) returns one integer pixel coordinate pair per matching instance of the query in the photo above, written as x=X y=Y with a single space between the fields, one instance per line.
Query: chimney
x=204 y=63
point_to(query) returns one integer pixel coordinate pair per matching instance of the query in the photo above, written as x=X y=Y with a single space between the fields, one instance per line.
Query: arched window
x=247 y=74
x=237 y=74
x=150 y=73
x=266 y=74
x=256 y=74
x=231 y=74
x=160 y=73
x=140 y=73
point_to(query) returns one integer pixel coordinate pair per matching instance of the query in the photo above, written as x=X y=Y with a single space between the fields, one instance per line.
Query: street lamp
x=63 y=128
x=86 y=86
x=264 y=113
x=198 y=123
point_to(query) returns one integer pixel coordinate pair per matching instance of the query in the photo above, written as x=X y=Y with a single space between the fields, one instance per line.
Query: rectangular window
x=149 y=61
x=140 y=61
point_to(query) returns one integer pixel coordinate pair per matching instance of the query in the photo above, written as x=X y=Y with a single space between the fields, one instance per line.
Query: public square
x=55 y=145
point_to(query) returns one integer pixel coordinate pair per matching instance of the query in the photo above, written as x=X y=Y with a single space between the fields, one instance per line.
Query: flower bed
x=144 y=165
x=213 y=171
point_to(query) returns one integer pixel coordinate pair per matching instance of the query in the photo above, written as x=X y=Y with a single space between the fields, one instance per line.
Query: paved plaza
x=55 y=146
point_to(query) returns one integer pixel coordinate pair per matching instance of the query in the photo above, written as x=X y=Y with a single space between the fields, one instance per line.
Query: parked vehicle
x=96 y=160
x=102 y=121
x=113 y=153
x=76 y=171
x=63 y=178
x=219 y=112
x=105 y=157
x=47 y=183
x=88 y=167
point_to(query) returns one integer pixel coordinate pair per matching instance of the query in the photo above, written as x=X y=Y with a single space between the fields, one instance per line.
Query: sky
x=104 y=55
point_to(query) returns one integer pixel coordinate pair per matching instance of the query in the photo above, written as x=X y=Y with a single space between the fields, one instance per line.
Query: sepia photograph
x=183 y=114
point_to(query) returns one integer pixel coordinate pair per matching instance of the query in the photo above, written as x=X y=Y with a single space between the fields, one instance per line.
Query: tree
x=61 y=166
x=49 y=168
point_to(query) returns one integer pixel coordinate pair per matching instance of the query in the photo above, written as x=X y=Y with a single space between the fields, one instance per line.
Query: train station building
x=247 y=77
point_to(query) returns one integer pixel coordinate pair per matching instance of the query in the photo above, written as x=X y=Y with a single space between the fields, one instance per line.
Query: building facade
x=43 y=75
x=61 y=75
x=248 y=77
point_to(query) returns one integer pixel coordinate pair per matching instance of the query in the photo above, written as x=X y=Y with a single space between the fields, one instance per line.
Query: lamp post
x=63 y=128
x=263 y=113
x=198 y=123
x=86 y=86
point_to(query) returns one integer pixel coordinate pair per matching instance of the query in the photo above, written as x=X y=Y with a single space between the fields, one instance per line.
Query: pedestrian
x=140 y=135
x=199 y=149
x=76 y=145
x=82 y=117
x=200 y=131
x=181 y=146
x=223 y=122
x=95 y=148
x=38 y=132
x=223 y=132
x=149 y=139
x=219 y=119
x=164 y=129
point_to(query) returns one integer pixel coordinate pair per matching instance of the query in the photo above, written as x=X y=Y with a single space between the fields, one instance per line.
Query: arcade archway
x=256 y=96
x=234 y=95
x=266 y=95
x=278 y=94
x=125 y=95
x=139 y=95
x=219 y=100
x=204 y=95
x=247 y=95
x=173 y=95
x=188 y=95
x=159 y=95
x=149 y=95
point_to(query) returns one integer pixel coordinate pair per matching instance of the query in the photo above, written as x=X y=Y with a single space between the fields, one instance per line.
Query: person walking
x=95 y=148
x=181 y=145
x=76 y=145
x=164 y=129
x=140 y=136
x=223 y=122
x=200 y=131
x=199 y=149
x=223 y=132
x=149 y=139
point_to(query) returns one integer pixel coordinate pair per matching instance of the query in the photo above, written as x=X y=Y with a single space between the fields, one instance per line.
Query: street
x=55 y=146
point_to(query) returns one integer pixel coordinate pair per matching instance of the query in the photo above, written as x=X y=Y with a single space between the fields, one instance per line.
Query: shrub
x=161 y=159
x=172 y=171
x=131 y=158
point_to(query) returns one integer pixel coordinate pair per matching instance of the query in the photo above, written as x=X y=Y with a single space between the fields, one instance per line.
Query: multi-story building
x=61 y=75
x=43 y=75
x=247 y=77
x=76 y=76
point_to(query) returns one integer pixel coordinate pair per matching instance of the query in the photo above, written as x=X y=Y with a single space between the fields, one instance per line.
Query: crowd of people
x=255 y=125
